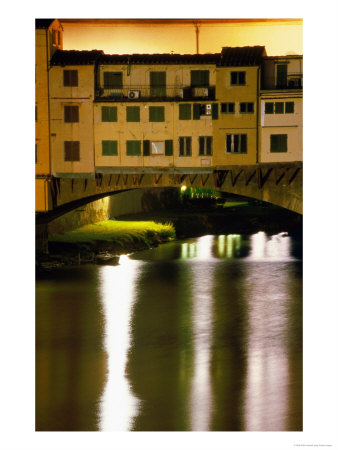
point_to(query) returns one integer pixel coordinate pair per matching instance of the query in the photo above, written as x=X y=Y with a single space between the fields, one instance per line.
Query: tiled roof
x=75 y=57
x=43 y=23
x=242 y=56
x=162 y=58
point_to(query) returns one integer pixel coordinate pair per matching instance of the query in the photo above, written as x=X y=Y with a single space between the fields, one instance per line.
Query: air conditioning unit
x=133 y=94
x=200 y=92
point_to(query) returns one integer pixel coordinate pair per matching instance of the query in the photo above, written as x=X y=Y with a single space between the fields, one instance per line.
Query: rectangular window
x=71 y=114
x=246 y=107
x=268 y=107
x=185 y=146
x=156 y=113
x=133 y=148
x=199 y=78
x=238 y=78
x=54 y=37
x=36 y=153
x=112 y=80
x=278 y=143
x=185 y=111
x=72 y=150
x=157 y=148
x=279 y=108
x=205 y=145
x=36 y=113
x=158 y=84
x=109 y=148
x=70 y=78
x=281 y=75
x=236 y=143
x=109 y=113
x=196 y=111
x=289 y=107
x=133 y=113
x=227 y=108
x=168 y=147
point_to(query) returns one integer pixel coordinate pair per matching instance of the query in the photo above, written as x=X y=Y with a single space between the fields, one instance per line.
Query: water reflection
x=118 y=405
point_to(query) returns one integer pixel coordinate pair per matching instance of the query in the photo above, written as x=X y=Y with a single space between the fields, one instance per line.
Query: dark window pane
x=112 y=80
x=242 y=107
x=236 y=142
x=70 y=78
x=133 y=113
x=279 y=108
x=201 y=145
x=158 y=84
x=72 y=150
x=188 y=146
x=156 y=114
x=228 y=143
x=209 y=145
x=278 y=143
x=199 y=78
x=234 y=77
x=168 y=148
x=243 y=143
x=185 y=111
x=181 y=146
x=146 y=148
x=196 y=111
x=231 y=107
x=289 y=107
x=241 y=77
x=214 y=111
x=269 y=108
x=250 y=107
x=109 y=148
x=71 y=113
x=282 y=70
x=133 y=148
x=109 y=113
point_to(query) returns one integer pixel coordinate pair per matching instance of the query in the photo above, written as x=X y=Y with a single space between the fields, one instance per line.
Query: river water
x=195 y=335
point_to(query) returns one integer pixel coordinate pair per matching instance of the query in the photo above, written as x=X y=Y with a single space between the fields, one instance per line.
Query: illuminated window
x=236 y=143
x=157 y=148
x=70 y=78
x=185 y=146
x=71 y=113
x=109 y=113
x=238 y=78
x=156 y=113
x=133 y=113
x=199 y=78
x=133 y=148
x=112 y=80
x=185 y=111
x=109 y=148
x=72 y=150
x=227 y=108
x=278 y=143
x=246 y=107
x=205 y=145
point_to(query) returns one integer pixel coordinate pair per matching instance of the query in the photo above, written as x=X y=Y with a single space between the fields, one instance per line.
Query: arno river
x=195 y=335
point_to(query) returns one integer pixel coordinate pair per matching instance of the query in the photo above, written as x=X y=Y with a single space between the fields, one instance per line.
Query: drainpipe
x=48 y=103
x=197 y=36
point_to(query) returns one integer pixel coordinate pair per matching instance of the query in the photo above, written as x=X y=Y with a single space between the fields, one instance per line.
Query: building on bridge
x=101 y=114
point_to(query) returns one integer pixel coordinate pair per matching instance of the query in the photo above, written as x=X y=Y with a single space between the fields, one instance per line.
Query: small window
x=112 y=80
x=268 y=107
x=109 y=113
x=289 y=107
x=185 y=111
x=133 y=148
x=70 y=78
x=36 y=153
x=133 y=113
x=236 y=143
x=71 y=114
x=36 y=113
x=199 y=78
x=227 y=108
x=205 y=145
x=72 y=150
x=54 y=37
x=157 y=147
x=109 y=148
x=278 y=143
x=156 y=114
x=246 y=107
x=279 y=108
x=238 y=78
x=185 y=146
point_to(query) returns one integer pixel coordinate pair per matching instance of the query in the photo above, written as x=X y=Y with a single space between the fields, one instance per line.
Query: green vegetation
x=119 y=232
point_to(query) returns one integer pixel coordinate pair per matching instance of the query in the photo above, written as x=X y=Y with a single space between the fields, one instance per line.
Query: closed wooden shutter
x=209 y=145
x=158 y=84
x=201 y=145
x=228 y=143
x=133 y=113
x=71 y=113
x=196 y=111
x=188 y=146
x=215 y=111
x=168 y=147
x=72 y=150
x=109 y=113
x=146 y=148
x=133 y=148
x=199 y=78
x=185 y=111
x=156 y=114
x=109 y=148
x=112 y=80
x=278 y=143
x=243 y=148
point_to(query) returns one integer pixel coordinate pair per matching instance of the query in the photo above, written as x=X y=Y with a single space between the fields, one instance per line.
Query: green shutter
x=209 y=145
x=243 y=143
x=133 y=113
x=181 y=146
x=185 y=111
x=215 y=111
x=188 y=146
x=168 y=148
x=278 y=143
x=112 y=80
x=156 y=113
x=228 y=141
x=109 y=148
x=133 y=148
x=109 y=113
x=201 y=145
x=196 y=111
x=146 y=148
x=199 y=78
x=158 y=84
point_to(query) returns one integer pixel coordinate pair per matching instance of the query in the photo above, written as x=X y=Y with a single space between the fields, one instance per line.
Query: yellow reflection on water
x=118 y=405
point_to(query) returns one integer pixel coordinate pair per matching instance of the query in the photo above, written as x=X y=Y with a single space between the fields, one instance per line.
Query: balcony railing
x=154 y=93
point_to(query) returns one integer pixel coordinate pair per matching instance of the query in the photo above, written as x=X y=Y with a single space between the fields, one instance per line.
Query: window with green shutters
x=109 y=148
x=156 y=113
x=71 y=114
x=205 y=145
x=199 y=78
x=158 y=84
x=278 y=143
x=70 y=78
x=236 y=143
x=185 y=111
x=214 y=111
x=133 y=148
x=72 y=150
x=112 y=80
x=109 y=113
x=196 y=111
x=133 y=113
x=168 y=147
x=185 y=146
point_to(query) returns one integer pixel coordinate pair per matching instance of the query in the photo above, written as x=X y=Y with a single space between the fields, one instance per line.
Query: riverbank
x=103 y=242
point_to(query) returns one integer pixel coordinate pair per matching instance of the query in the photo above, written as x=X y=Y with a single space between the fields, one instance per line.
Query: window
x=246 y=107
x=72 y=150
x=158 y=84
x=281 y=75
x=36 y=153
x=112 y=80
x=227 y=108
x=133 y=148
x=133 y=113
x=109 y=113
x=279 y=108
x=289 y=107
x=278 y=143
x=205 y=145
x=156 y=113
x=269 y=108
x=185 y=146
x=71 y=114
x=36 y=113
x=185 y=111
x=199 y=78
x=109 y=148
x=70 y=78
x=157 y=147
x=54 y=37
x=237 y=78
x=236 y=143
